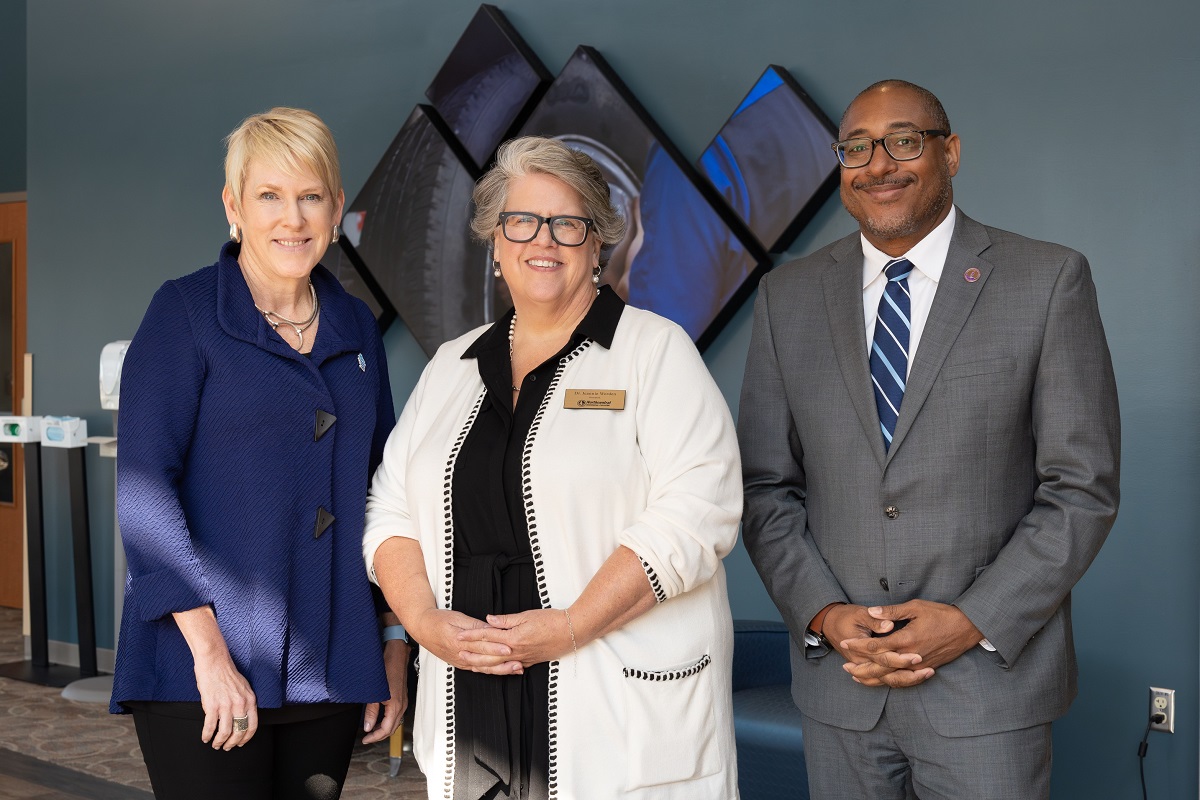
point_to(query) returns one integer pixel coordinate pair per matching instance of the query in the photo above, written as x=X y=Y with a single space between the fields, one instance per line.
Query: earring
x=496 y=269
x=596 y=275
x=235 y=233
x=337 y=234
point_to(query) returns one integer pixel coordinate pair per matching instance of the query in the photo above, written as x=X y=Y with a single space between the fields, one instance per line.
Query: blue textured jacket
x=235 y=489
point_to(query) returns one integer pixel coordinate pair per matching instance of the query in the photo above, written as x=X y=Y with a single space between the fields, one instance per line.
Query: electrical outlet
x=1162 y=701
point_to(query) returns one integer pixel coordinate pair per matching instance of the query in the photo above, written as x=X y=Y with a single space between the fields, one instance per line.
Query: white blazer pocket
x=671 y=727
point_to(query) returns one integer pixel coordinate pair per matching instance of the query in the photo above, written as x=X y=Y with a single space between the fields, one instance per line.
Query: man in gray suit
x=931 y=443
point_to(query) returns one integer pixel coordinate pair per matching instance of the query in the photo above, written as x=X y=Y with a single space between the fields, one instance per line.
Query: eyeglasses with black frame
x=521 y=226
x=900 y=145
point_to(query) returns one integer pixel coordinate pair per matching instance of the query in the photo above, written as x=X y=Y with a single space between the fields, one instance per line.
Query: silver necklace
x=512 y=332
x=298 y=327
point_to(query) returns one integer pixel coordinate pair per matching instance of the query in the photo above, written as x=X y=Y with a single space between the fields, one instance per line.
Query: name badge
x=610 y=399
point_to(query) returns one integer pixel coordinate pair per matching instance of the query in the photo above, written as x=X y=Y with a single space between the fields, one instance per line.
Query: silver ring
x=241 y=723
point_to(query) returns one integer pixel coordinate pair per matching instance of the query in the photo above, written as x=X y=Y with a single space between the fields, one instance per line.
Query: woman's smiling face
x=286 y=220
x=543 y=271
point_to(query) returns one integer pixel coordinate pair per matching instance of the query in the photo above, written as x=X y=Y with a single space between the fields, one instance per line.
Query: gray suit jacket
x=1004 y=469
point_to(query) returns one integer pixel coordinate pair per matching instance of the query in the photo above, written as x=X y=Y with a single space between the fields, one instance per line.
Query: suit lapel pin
x=971 y=275
x=362 y=362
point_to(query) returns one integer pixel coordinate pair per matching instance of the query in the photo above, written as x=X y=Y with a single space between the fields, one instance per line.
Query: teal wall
x=12 y=96
x=1061 y=108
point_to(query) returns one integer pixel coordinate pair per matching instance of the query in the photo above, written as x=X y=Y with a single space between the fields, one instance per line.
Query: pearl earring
x=496 y=268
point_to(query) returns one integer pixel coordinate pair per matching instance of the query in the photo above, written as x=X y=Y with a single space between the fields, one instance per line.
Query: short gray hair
x=540 y=155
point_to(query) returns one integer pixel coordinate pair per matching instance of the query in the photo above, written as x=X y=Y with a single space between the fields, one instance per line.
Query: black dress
x=501 y=732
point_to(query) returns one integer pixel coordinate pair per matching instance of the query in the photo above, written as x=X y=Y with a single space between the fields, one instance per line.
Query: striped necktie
x=889 y=350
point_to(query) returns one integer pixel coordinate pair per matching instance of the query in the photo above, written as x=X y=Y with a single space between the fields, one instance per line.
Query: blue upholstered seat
x=770 y=746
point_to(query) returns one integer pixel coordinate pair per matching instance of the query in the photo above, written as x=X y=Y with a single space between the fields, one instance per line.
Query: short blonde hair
x=539 y=155
x=291 y=139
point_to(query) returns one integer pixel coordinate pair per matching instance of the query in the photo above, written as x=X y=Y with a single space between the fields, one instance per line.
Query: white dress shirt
x=928 y=258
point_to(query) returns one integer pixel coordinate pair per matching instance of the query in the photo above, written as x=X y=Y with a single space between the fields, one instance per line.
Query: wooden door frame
x=13 y=219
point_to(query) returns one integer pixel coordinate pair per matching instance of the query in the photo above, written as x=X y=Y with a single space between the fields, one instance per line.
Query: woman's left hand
x=395 y=663
x=534 y=636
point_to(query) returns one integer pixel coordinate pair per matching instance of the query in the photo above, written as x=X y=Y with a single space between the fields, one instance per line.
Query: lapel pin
x=362 y=362
x=971 y=275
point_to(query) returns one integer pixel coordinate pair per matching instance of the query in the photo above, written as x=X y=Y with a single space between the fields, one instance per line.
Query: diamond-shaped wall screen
x=771 y=161
x=698 y=238
x=487 y=84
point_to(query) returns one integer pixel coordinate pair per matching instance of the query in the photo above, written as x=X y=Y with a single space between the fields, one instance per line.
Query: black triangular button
x=324 y=520
x=324 y=422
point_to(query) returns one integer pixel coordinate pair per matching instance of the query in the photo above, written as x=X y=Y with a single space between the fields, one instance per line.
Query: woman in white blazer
x=549 y=520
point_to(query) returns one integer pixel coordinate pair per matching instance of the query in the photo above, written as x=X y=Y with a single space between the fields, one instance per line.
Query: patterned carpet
x=36 y=721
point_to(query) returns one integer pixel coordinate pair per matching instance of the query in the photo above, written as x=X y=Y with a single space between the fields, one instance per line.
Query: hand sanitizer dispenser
x=111 y=359
x=20 y=429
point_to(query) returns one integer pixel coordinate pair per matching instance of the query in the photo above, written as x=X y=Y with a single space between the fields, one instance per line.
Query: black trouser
x=296 y=757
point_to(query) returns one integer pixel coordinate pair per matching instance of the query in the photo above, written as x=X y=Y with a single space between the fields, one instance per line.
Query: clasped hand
x=879 y=654
x=502 y=645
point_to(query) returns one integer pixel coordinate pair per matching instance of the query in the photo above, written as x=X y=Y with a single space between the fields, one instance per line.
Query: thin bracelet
x=571 y=628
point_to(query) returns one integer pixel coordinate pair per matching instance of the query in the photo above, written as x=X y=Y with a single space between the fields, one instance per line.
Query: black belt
x=480 y=590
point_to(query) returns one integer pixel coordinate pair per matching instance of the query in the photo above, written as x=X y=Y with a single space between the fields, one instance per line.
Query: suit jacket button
x=892 y=512
x=883 y=582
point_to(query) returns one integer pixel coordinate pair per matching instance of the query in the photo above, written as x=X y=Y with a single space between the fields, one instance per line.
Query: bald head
x=928 y=99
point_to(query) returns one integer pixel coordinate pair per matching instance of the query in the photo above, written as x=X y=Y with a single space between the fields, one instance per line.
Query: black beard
x=908 y=224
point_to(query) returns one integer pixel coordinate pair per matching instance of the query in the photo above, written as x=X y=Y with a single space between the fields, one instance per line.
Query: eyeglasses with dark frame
x=522 y=226
x=900 y=145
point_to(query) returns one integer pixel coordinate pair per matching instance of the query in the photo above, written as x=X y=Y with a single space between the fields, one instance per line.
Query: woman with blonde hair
x=255 y=404
x=549 y=520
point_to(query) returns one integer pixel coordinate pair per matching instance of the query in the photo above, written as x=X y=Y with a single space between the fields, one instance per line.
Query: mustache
x=868 y=183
